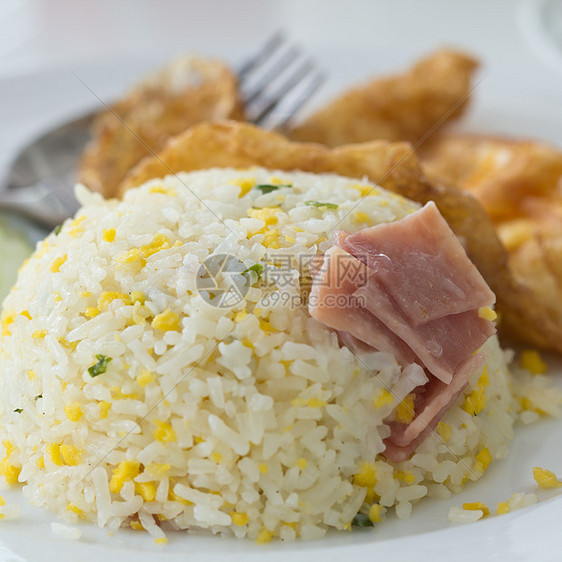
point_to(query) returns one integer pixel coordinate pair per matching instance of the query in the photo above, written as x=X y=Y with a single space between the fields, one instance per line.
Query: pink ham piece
x=433 y=343
x=332 y=303
x=430 y=406
x=408 y=288
x=422 y=266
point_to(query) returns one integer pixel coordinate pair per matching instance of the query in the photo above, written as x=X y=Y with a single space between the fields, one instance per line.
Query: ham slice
x=332 y=303
x=430 y=407
x=431 y=341
x=422 y=266
x=408 y=288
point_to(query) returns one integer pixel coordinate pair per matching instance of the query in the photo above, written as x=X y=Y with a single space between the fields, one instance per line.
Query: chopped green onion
x=100 y=367
x=269 y=187
x=362 y=520
x=257 y=268
x=57 y=230
x=320 y=204
x=18 y=410
x=38 y=396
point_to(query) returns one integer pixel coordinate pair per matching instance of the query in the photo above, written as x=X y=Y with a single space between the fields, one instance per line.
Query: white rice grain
x=66 y=532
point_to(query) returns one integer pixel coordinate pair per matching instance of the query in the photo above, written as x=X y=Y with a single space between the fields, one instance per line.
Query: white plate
x=33 y=102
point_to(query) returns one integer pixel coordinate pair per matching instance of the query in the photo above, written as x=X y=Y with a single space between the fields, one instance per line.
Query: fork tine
x=313 y=85
x=261 y=55
x=293 y=80
x=282 y=64
x=269 y=77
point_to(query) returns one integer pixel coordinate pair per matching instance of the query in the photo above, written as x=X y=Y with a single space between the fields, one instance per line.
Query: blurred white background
x=49 y=33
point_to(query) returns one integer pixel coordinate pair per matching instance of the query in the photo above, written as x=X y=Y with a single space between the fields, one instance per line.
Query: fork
x=275 y=84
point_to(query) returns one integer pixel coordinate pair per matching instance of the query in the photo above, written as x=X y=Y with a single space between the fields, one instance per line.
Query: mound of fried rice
x=130 y=397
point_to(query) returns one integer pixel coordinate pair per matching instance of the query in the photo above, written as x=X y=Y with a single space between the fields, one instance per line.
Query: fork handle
x=39 y=203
